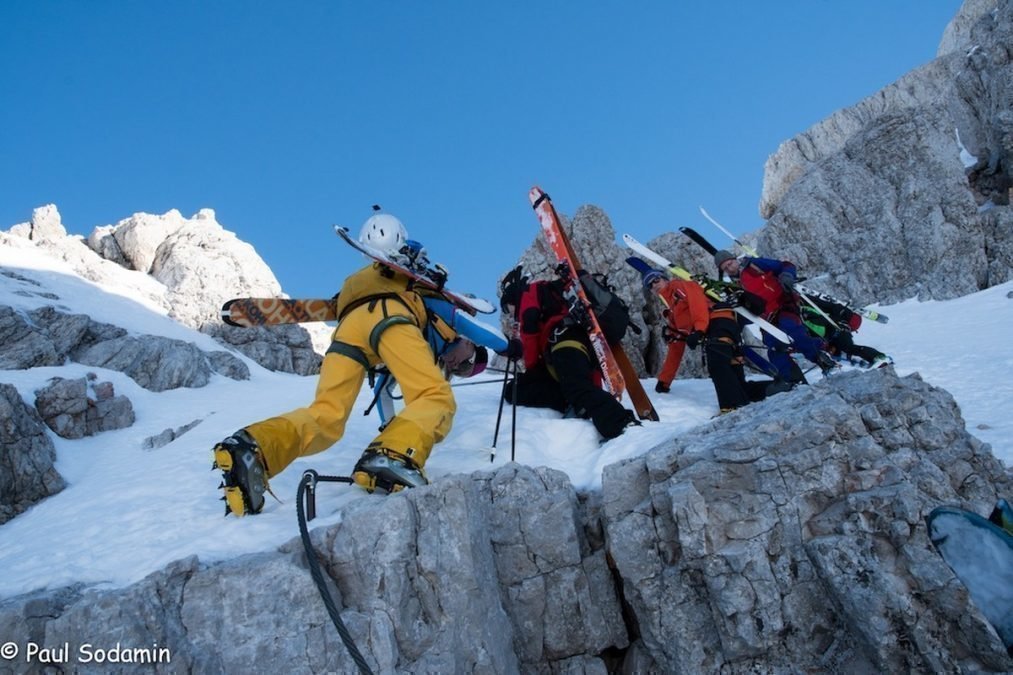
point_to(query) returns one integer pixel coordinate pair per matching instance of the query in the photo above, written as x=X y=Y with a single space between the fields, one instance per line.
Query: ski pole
x=472 y=384
x=513 y=416
x=745 y=247
x=499 y=415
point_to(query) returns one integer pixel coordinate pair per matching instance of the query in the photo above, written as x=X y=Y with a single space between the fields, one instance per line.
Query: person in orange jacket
x=686 y=311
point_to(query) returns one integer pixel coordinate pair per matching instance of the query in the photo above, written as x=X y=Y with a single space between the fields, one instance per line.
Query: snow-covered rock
x=185 y=267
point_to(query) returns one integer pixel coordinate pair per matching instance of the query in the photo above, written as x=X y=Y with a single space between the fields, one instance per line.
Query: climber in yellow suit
x=381 y=319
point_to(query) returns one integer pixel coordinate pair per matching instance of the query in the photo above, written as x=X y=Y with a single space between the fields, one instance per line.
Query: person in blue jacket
x=771 y=285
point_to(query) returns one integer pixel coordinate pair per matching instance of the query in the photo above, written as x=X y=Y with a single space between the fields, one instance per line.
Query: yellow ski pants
x=429 y=401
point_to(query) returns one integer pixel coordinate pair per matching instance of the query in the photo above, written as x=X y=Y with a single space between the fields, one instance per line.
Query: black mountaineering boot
x=244 y=477
x=388 y=470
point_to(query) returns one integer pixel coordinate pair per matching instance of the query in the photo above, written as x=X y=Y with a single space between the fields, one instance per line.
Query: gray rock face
x=279 y=348
x=22 y=345
x=168 y=436
x=491 y=573
x=47 y=337
x=877 y=197
x=156 y=363
x=795 y=541
x=27 y=474
x=757 y=543
x=73 y=409
x=957 y=35
x=202 y=265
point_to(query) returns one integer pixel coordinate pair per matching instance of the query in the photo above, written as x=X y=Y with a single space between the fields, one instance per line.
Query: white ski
x=682 y=273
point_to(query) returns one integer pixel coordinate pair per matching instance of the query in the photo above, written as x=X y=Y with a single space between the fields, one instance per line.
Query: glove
x=514 y=350
x=662 y=388
x=787 y=282
x=751 y=302
x=694 y=339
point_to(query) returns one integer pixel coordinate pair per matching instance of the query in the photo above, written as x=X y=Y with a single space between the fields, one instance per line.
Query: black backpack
x=612 y=313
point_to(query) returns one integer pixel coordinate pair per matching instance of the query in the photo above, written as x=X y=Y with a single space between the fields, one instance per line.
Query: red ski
x=617 y=370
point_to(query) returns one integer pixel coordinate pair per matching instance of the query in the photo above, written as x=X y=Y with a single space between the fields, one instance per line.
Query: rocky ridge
x=756 y=543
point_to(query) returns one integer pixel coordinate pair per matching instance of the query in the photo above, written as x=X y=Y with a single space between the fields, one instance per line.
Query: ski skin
x=616 y=366
x=682 y=273
x=702 y=242
x=471 y=305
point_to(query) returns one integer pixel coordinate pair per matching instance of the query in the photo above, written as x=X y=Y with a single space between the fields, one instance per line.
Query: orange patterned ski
x=249 y=312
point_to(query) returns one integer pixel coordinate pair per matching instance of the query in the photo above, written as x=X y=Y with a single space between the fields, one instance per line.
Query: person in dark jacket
x=560 y=369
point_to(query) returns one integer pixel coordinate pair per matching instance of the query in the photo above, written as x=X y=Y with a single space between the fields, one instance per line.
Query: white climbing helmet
x=383 y=232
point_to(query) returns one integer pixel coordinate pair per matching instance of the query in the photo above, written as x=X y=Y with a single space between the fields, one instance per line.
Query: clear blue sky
x=288 y=117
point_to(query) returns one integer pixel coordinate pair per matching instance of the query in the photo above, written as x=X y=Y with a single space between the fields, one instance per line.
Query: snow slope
x=127 y=511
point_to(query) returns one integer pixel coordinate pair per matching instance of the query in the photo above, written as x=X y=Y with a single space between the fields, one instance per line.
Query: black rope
x=309 y=480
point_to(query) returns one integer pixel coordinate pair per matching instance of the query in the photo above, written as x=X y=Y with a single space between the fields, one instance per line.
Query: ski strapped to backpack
x=714 y=290
x=870 y=314
x=617 y=369
x=754 y=360
x=251 y=312
x=421 y=272
x=612 y=311
x=750 y=251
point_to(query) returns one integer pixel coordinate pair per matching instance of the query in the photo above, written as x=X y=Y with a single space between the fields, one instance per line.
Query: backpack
x=612 y=313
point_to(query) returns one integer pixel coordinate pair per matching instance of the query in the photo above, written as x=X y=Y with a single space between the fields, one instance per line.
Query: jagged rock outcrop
x=281 y=348
x=756 y=543
x=45 y=225
x=594 y=242
x=796 y=540
x=82 y=407
x=27 y=474
x=189 y=267
x=48 y=337
x=957 y=34
x=158 y=363
x=878 y=197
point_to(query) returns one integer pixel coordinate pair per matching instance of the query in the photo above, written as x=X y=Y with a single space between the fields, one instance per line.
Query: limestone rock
x=168 y=436
x=27 y=474
x=46 y=225
x=797 y=540
x=154 y=362
x=755 y=543
x=78 y=408
x=900 y=194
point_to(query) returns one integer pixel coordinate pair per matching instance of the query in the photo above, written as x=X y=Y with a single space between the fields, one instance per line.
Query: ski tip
x=536 y=196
